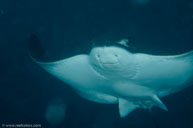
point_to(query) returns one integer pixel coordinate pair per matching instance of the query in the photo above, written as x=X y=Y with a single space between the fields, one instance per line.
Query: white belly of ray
x=155 y=76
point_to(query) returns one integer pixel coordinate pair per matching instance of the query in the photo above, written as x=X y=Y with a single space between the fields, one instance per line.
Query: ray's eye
x=115 y=55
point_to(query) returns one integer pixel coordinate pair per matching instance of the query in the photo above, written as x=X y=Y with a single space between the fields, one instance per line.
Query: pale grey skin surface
x=114 y=75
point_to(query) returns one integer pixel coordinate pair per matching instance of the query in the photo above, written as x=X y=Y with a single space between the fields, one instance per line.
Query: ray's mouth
x=109 y=63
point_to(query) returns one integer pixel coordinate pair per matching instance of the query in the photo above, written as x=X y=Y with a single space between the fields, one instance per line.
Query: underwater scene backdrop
x=29 y=95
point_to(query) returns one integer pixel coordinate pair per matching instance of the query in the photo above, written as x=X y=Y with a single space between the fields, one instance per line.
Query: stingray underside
x=64 y=68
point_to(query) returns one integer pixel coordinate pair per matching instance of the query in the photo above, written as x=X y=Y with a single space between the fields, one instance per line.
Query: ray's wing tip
x=35 y=48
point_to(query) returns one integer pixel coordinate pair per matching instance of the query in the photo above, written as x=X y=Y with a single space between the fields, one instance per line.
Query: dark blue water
x=29 y=95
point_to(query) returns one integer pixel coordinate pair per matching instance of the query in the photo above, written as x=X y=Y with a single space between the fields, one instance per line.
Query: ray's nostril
x=98 y=56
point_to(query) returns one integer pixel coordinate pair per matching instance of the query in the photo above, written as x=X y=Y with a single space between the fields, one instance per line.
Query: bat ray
x=112 y=74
